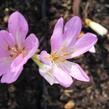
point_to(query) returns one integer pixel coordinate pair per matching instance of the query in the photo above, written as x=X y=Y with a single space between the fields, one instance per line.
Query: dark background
x=31 y=91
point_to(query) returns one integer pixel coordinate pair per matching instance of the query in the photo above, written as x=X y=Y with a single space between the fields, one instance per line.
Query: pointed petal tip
x=15 y=13
x=85 y=78
x=76 y=17
x=88 y=79
x=92 y=50
x=67 y=85
x=93 y=36
x=61 y=19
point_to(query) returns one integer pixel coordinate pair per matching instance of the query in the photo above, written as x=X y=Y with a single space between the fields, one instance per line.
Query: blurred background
x=31 y=91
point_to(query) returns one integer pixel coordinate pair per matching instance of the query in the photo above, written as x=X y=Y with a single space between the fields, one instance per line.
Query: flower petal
x=45 y=72
x=45 y=57
x=18 y=26
x=31 y=45
x=10 y=77
x=72 y=29
x=92 y=49
x=62 y=77
x=6 y=39
x=75 y=71
x=83 y=44
x=17 y=63
x=57 y=36
x=5 y=63
x=15 y=68
x=14 y=71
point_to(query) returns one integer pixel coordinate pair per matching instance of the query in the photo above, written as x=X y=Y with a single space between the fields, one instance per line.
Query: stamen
x=57 y=58
x=14 y=51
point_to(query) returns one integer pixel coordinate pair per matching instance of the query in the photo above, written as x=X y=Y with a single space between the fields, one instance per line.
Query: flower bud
x=98 y=28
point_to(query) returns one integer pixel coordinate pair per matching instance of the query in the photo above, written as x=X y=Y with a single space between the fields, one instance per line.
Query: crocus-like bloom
x=15 y=48
x=65 y=44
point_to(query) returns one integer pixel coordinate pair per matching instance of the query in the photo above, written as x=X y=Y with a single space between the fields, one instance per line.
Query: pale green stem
x=36 y=60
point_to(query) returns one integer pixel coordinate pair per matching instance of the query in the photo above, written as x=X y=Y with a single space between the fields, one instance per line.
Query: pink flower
x=65 y=44
x=15 y=48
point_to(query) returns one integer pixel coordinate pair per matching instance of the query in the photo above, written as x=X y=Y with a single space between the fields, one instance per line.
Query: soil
x=31 y=91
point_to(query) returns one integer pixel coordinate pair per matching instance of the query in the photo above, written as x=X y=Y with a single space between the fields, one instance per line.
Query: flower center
x=57 y=58
x=15 y=51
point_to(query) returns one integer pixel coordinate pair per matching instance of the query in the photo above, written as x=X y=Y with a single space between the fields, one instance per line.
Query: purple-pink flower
x=65 y=44
x=15 y=48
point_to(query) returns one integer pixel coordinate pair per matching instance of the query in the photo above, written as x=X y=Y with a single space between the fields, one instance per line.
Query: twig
x=76 y=7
